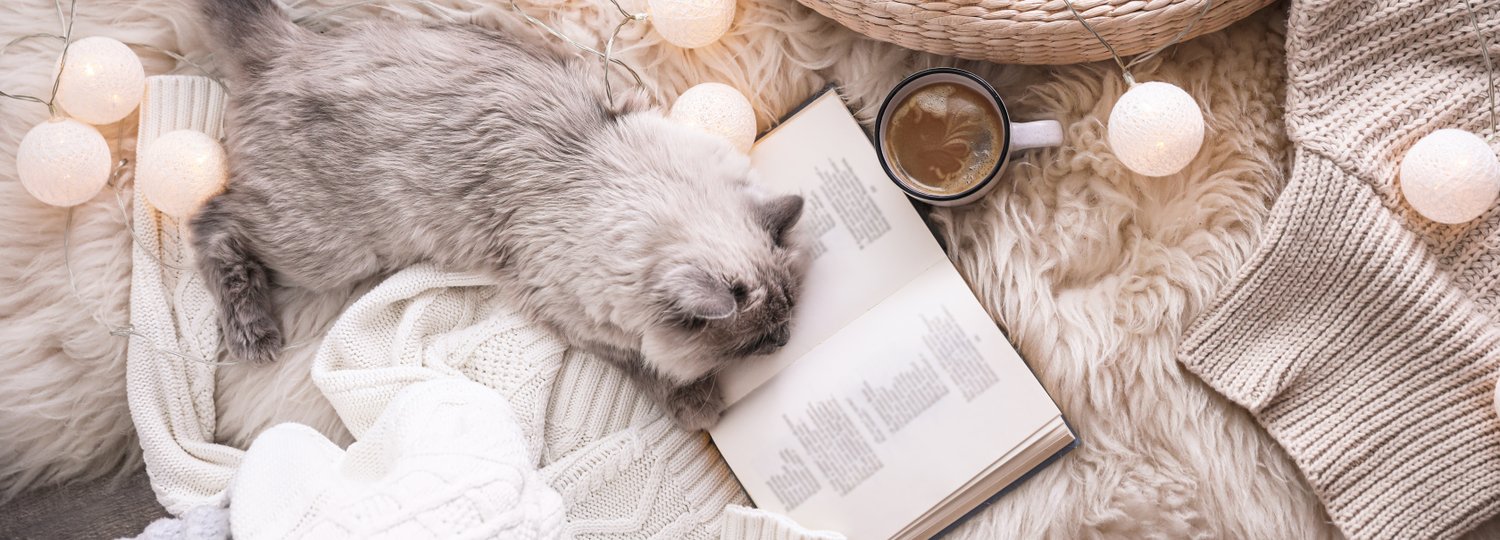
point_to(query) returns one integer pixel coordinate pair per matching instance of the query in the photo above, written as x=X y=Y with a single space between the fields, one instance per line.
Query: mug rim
x=880 y=134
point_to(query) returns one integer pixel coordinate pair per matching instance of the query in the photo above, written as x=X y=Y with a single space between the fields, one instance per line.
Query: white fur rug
x=1094 y=271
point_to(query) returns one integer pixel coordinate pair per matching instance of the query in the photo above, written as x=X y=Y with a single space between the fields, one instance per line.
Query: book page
x=890 y=417
x=866 y=239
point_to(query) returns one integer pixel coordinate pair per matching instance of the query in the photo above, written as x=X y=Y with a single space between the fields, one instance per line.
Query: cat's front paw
x=257 y=342
x=696 y=406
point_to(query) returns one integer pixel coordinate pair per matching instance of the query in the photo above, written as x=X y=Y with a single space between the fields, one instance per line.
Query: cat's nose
x=782 y=335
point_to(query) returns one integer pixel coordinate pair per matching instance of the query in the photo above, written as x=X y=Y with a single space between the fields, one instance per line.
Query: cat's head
x=729 y=298
x=725 y=275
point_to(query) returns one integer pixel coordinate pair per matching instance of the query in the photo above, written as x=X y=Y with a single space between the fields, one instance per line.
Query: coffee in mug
x=944 y=138
x=943 y=135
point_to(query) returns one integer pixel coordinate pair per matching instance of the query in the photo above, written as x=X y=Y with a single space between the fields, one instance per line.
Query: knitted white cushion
x=445 y=459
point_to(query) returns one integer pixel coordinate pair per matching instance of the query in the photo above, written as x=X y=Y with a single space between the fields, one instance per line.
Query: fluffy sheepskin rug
x=1093 y=271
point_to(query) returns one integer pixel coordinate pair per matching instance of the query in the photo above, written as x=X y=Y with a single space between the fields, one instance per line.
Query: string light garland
x=98 y=80
x=1155 y=128
x=65 y=162
x=1451 y=175
x=60 y=162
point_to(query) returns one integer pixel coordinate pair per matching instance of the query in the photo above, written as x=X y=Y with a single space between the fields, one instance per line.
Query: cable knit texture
x=171 y=397
x=445 y=459
x=1363 y=336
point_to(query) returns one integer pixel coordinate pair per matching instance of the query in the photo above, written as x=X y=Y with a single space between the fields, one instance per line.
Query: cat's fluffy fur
x=385 y=144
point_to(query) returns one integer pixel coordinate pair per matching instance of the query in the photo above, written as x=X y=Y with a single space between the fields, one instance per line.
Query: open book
x=898 y=406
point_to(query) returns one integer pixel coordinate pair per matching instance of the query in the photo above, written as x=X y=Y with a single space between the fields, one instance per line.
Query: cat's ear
x=692 y=292
x=778 y=215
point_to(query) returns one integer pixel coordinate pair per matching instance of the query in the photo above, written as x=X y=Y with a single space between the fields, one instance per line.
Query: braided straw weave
x=1030 y=31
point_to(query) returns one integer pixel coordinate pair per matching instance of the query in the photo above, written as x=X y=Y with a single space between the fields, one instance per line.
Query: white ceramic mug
x=1018 y=135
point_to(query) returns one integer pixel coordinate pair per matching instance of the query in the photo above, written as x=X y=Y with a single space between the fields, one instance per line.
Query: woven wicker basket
x=1030 y=31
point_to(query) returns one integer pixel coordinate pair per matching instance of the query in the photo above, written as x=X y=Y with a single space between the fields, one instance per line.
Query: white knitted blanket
x=470 y=420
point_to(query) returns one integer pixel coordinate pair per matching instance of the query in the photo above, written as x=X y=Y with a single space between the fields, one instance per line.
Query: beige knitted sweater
x=1363 y=336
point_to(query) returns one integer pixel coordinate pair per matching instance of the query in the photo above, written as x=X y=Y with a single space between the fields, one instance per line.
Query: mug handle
x=1038 y=134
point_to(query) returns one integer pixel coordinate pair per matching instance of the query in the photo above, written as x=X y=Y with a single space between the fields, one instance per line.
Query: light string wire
x=1489 y=67
x=1484 y=51
x=114 y=183
x=1124 y=67
x=607 y=55
x=67 y=39
x=126 y=330
x=210 y=74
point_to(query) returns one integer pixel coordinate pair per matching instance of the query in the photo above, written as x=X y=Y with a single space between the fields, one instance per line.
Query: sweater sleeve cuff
x=1363 y=360
x=745 y=523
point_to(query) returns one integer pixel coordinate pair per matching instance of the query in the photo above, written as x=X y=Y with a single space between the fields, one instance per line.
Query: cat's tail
x=239 y=283
x=248 y=32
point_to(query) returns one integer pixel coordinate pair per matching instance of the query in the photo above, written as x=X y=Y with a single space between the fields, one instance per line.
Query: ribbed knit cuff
x=1362 y=359
x=745 y=523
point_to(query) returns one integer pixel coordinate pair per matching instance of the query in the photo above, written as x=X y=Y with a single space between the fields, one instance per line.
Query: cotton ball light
x=1156 y=129
x=181 y=170
x=63 y=162
x=1450 y=176
x=718 y=109
x=101 y=82
x=691 y=23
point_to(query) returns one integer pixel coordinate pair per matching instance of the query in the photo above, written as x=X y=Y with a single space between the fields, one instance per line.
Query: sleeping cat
x=383 y=145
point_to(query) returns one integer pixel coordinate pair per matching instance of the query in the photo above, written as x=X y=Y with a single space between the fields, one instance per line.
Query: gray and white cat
x=382 y=145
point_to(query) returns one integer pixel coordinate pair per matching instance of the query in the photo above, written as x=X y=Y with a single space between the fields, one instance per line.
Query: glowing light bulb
x=101 y=81
x=718 y=109
x=1155 y=129
x=1450 y=176
x=181 y=170
x=63 y=162
x=691 y=23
